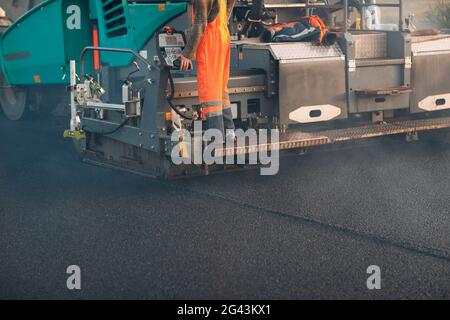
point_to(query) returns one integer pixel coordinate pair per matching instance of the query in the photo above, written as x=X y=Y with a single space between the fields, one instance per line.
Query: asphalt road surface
x=310 y=232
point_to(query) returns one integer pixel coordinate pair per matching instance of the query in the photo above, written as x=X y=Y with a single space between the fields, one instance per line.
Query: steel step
x=388 y=91
x=249 y=83
x=301 y=140
x=379 y=62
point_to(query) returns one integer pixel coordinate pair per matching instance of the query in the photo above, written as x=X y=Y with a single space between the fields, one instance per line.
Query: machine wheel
x=13 y=101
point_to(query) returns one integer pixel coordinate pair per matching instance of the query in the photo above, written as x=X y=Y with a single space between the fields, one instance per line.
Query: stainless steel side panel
x=430 y=81
x=311 y=82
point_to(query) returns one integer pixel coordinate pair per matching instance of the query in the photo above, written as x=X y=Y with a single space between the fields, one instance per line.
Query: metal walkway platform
x=298 y=140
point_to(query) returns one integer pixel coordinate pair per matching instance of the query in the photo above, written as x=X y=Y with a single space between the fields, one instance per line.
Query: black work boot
x=228 y=118
x=214 y=120
x=228 y=123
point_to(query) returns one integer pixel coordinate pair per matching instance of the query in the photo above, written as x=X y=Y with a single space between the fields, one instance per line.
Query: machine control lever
x=170 y=45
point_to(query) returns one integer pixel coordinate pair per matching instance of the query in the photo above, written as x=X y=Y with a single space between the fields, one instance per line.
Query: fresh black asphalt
x=308 y=233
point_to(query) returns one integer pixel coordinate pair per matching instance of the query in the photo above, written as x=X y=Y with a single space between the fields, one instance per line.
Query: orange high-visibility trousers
x=213 y=72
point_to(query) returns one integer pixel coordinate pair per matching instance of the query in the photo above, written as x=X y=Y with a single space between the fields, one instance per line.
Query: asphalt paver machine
x=118 y=61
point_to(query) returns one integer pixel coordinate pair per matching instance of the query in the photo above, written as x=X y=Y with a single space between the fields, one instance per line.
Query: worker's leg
x=209 y=80
x=227 y=114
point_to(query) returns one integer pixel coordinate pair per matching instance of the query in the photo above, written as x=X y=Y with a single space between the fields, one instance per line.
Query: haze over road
x=309 y=232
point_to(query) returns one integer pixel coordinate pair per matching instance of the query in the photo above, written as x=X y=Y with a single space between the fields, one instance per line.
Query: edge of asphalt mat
x=436 y=252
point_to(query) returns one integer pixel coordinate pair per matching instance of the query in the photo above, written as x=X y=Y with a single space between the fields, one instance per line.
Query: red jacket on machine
x=309 y=28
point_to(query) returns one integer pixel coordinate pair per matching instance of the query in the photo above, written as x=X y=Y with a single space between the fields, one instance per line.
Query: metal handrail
x=129 y=51
x=398 y=5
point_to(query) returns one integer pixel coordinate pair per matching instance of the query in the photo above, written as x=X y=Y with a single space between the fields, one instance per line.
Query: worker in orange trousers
x=209 y=45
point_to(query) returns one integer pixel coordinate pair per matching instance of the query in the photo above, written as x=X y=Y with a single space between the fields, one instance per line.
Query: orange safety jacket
x=317 y=22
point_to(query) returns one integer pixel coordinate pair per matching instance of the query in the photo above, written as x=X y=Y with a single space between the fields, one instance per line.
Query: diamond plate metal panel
x=304 y=50
x=370 y=45
x=431 y=46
